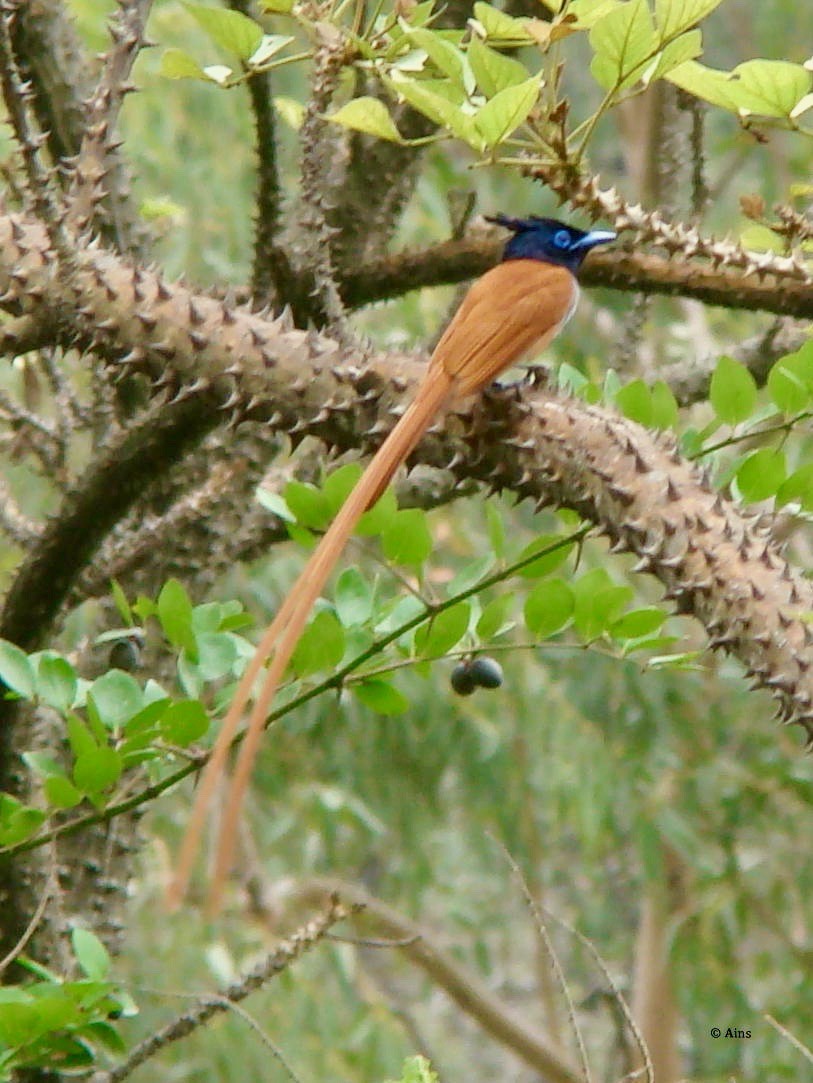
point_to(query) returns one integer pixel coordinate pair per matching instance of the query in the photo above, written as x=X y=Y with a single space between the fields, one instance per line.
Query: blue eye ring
x=561 y=238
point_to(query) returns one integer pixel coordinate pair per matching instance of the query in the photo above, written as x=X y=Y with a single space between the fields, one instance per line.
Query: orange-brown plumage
x=515 y=308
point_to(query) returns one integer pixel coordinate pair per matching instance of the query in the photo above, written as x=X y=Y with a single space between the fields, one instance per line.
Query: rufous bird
x=513 y=311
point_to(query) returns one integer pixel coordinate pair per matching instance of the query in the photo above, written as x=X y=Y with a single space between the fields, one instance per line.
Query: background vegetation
x=622 y=766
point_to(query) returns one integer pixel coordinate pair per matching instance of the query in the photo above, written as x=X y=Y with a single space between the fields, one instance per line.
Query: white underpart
x=551 y=334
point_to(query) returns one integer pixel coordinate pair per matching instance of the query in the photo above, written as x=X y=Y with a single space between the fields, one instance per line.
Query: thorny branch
x=97 y=154
x=225 y=363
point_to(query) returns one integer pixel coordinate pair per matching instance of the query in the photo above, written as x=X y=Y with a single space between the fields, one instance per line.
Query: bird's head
x=550 y=240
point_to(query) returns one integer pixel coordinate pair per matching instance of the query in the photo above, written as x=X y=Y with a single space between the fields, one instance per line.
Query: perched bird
x=513 y=311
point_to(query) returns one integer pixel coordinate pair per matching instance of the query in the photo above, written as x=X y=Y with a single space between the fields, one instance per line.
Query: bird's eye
x=561 y=238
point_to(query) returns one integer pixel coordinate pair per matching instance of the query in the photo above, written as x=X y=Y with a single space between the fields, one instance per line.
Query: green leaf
x=91 y=954
x=493 y=617
x=797 y=487
x=407 y=539
x=492 y=70
x=61 y=792
x=353 y=598
x=117 y=696
x=206 y=617
x=308 y=504
x=42 y=765
x=56 y=681
x=291 y=111
x=380 y=516
x=438 y=109
x=175 y=615
x=446 y=58
x=761 y=475
x=664 y=405
x=416 y=1069
x=443 y=631
x=184 y=722
x=80 y=738
x=599 y=602
x=548 y=608
x=231 y=30
x=17 y=821
x=586 y=12
x=176 y=64
x=217 y=653
x=507 y=110
x=790 y=381
x=339 y=484
x=380 y=696
x=686 y=47
x=16 y=670
x=501 y=27
x=634 y=400
x=270 y=45
x=637 y=623
x=97 y=770
x=733 y=391
x=675 y=16
x=321 y=646
x=496 y=529
x=147 y=717
x=274 y=503
x=121 y=603
x=768 y=88
x=553 y=551
x=623 y=41
x=277 y=7
x=368 y=115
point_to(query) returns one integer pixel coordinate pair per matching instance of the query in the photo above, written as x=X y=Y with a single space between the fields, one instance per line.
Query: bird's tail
x=280 y=640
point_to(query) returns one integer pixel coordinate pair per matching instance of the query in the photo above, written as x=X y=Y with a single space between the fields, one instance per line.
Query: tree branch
x=716 y=561
x=631 y=271
x=464 y=987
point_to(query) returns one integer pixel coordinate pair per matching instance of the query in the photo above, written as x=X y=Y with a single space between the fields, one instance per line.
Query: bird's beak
x=594 y=237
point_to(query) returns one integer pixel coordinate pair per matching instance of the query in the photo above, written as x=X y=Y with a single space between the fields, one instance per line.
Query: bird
x=512 y=311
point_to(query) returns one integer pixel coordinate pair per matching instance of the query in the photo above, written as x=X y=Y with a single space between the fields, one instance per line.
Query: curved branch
x=463 y=986
x=716 y=561
x=631 y=271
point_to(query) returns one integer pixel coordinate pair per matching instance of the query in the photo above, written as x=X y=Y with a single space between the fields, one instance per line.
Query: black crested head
x=549 y=240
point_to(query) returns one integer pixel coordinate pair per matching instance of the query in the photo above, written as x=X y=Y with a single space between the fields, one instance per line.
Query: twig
x=315 y=138
x=272 y=277
x=794 y=1041
x=584 y=192
x=31 y=928
x=71 y=411
x=700 y=191
x=16 y=95
x=277 y=961
x=92 y=164
x=536 y=912
x=537 y=909
x=13 y=522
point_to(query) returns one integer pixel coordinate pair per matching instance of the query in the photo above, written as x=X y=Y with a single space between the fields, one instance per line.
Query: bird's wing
x=514 y=307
